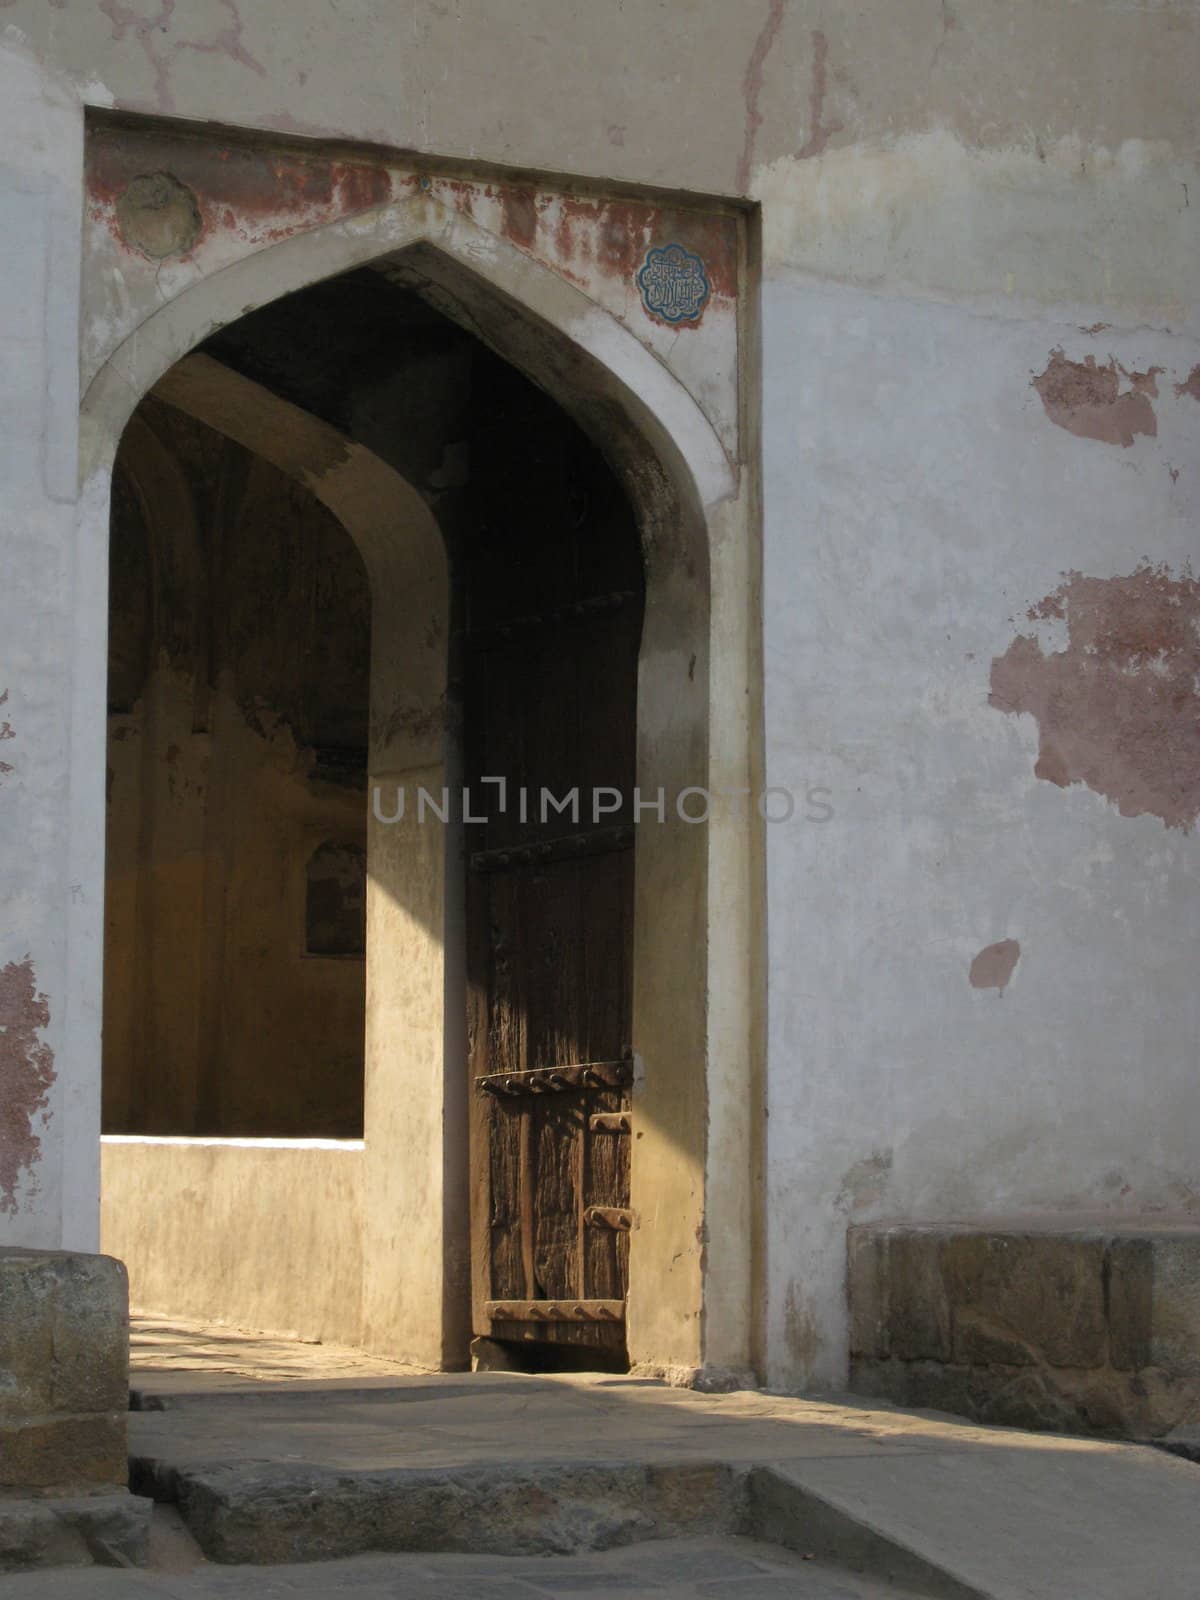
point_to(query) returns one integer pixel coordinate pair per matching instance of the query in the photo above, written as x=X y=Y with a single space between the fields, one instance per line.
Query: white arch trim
x=654 y=396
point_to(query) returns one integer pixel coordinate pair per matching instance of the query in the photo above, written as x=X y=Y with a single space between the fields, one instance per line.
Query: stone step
x=109 y=1528
x=276 y=1512
x=569 y=1466
x=272 y=1514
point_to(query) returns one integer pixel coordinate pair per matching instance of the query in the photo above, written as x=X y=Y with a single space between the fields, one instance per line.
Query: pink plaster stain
x=26 y=1074
x=1086 y=399
x=995 y=964
x=752 y=82
x=1119 y=708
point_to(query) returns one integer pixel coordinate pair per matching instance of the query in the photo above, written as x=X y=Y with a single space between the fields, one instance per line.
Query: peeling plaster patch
x=1119 y=708
x=258 y=196
x=26 y=1073
x=250 y=195
x=1084 y=399
x=1191 y=384
x=159 y=216
x=584 y=236
x=6 y=732
x=995 y=964
x=1145 y=382
x=865 y=1183
x=520 y=216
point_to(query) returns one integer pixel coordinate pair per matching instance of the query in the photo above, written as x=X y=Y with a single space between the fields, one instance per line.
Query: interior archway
x=239 y=641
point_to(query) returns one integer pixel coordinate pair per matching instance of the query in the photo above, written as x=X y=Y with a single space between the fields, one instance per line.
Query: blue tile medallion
x=674 y=284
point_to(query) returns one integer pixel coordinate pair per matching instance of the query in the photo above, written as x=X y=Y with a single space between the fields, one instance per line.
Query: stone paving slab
x=427 y=1424
x=998 y=1512
x=694 y=1570
x=192 y=1359
x=950 y=1507
x=1101 y=1524
x=566 y=1419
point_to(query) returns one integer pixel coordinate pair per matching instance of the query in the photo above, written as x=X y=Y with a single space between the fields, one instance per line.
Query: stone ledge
x=56 y=1452
x=108 y=1529
x=266 y=1513
x=64 y=1369
x=1074 y=1326
x=64 y=1332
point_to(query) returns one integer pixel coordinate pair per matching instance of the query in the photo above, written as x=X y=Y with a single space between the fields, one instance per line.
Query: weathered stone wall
x=1082 y=1328
x=64 y=1362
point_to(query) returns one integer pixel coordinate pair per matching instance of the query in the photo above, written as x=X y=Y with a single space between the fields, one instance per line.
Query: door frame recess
x=698 y=922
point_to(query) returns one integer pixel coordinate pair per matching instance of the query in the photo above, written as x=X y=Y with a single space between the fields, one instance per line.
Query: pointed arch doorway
x=688 y=1050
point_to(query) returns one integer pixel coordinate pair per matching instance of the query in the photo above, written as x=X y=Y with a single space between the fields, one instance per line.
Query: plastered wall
x=957 y=199
x=982 y=990
x=979 y=474
x=175 y=1211
x=49 y=939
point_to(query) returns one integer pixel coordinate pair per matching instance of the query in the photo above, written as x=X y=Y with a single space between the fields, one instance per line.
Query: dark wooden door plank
x=551 y=591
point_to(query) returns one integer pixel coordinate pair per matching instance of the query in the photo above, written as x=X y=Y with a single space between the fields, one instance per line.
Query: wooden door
x=553 y=610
